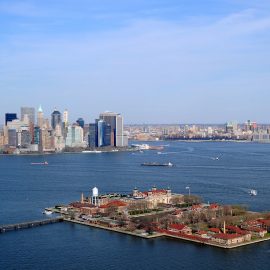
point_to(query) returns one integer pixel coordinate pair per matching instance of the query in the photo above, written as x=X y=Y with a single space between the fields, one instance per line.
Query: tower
x=95 y=196
x=40 y=117
x=65 y=118
x=56 y=119
x=30 y=112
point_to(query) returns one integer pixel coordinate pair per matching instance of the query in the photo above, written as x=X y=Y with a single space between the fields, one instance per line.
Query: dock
x=29 y=224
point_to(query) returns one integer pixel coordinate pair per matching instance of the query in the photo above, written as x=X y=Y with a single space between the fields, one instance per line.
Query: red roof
x=80 y=205
x=158 y=191
x=255 y=229
x=178 y=227
x=113 y=203
x=265 y=221
x=227 y=236
x=213 y=206
x=236 y=229
x=214 y=230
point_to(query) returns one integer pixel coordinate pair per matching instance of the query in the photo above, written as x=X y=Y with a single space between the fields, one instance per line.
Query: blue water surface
x=25 y=190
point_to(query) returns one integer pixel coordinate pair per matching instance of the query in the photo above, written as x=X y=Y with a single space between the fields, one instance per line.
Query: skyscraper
x=56 y=119
x=119 y=131
x=101 y=132
x=93 y=135
x=115 y=120
x=65 y=118
x=80 y=122
x=9 y=117
x=28 y=111
x=40 y=117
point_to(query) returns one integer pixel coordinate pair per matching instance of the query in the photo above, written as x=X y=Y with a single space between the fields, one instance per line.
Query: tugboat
x=155 y=164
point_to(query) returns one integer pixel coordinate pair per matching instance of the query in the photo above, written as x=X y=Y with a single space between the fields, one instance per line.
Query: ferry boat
x=91 y=152
x=169 y=164
x=39 y=163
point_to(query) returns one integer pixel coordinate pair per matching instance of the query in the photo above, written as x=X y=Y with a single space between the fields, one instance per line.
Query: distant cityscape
x=34 y=133
x=248 y=131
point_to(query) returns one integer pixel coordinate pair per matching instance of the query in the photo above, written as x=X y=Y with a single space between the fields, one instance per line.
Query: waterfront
x=26 y=190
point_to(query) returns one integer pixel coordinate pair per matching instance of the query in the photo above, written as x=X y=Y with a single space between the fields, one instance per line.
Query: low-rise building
x=154 y=196
x=179 y=228
x=228 y=239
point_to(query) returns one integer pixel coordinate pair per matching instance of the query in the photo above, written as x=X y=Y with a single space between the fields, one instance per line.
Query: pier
x=29 y=224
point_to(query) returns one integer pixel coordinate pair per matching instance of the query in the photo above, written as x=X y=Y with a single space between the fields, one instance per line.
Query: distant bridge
x=30 y=224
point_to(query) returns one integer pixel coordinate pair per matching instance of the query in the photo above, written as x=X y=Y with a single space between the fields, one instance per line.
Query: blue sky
x=170 y=61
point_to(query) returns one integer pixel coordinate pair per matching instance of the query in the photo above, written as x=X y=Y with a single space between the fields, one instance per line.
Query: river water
x=25 y=190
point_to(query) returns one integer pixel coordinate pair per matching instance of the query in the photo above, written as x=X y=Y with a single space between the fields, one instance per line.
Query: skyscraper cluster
x=108 y=130
x=35 y=133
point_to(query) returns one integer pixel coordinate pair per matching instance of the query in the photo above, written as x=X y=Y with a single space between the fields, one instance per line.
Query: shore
x=158 y=234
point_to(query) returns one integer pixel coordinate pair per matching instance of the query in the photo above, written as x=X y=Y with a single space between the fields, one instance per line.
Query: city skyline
x=73 y=118
x=156 y=62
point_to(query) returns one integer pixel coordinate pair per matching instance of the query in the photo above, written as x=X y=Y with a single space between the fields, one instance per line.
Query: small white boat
x=253 y=192
x=40 y=163
x=47 y=212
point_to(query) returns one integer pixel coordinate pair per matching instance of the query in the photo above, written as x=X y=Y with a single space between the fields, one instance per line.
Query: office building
x=30 y=112
x=65 y=118
x=74 y=136
x=101 y=132
x=115 y=120
x=40 y=117
x=12 y=137
x=56 y=119
x=9 y=117
x=107 y=135
x=93 y=136
x=25 y=138
x=80 y=122
x=37 y=135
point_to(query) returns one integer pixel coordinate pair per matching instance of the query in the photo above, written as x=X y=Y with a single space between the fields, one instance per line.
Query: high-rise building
x=74 y=136
x=56 y=119
x=93 y=135
x=107 y=135
x=116 y=122
x=119 y=131
x=26 y=138
x=80 y=122
x=110 y=118
x=30 y=112
x=65 y=118
x=9 y=117
x=12 y=137
x=37 y=139
x=40 y=117
x=101 y=132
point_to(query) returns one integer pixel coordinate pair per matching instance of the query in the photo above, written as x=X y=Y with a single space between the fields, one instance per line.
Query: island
x=162 y=213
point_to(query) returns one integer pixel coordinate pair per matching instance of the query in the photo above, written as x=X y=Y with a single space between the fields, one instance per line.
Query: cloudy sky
x=155 y=61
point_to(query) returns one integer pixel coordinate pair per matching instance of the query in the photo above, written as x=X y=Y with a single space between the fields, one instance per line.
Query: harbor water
x=221 y=172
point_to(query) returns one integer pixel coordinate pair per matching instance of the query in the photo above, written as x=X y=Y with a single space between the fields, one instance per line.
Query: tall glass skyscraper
x=93 y=136
x=116 y=122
